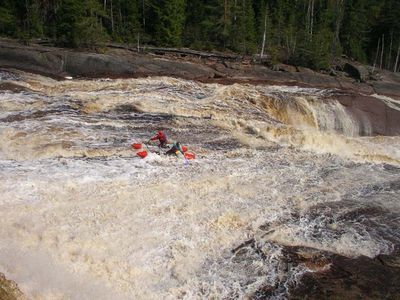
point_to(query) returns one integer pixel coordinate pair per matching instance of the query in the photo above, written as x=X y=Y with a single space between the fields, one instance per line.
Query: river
x=83 y=217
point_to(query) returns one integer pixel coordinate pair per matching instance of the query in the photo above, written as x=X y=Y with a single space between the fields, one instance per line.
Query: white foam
x=83 y=217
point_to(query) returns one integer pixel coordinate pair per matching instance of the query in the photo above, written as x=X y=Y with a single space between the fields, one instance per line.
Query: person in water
x=162 y=139
x=175 y=149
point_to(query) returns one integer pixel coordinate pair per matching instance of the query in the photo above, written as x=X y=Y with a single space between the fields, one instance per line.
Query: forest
x=311 y=33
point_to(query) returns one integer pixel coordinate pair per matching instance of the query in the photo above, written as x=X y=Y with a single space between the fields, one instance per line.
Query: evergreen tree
x=7 y=17
x=170 y=18
x=78 y=23
x=127 y=21
x=353 y=35
x=243 y=34
x=303 y=32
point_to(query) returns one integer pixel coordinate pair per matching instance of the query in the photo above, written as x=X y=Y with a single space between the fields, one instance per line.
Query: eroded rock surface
x=9 y=290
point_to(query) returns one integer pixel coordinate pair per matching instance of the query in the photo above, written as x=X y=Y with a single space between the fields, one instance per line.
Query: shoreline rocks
x=122 y=63
x=355 y=96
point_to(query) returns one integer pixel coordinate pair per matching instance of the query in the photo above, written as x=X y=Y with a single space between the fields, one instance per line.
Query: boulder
x=9 y=290
x=285 y=68
x=356 y=71
x=305 y=70
x=60 y=63
x=390 y=89
x=351 y=278
x=372 y=113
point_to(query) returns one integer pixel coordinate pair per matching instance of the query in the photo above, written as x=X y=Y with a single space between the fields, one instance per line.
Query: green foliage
x=89 y=33
x=128 y=26
x=244 y=33
x=7 y=20
x=78 y=24
x=170 y=18
x=315 y=53
x=34 y=20
x=305 y=32
x=353 y=38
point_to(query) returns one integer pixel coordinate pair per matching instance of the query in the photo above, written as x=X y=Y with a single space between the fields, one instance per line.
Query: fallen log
x=180 y=51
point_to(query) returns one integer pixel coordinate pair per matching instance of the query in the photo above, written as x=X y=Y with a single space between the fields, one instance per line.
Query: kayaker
x=162 y=138
x=175 y=149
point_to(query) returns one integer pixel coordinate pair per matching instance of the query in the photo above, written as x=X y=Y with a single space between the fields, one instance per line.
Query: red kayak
x=142 y=154
x=136 y=146
x=190 y=155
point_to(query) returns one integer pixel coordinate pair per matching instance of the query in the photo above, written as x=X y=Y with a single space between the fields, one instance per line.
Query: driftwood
x=182 y=52
x=179 y=51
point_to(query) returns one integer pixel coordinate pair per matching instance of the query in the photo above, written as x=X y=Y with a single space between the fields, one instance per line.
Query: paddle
x=145 y=143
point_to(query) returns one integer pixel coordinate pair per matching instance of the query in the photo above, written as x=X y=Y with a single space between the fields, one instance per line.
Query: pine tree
x=302 y=32
x=127 y=21
x=7 y=17
x=170 y=18
x=78 y=23
x=243 y=34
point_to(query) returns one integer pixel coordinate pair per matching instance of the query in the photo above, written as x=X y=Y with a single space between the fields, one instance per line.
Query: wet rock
x=333 y=276
x=9 y=290
x=387 y=88
x=285 y=68
x=60 y=63
x=328 y=275
x=357 y=71
x=318 y=80
x=351 y=278
x=12 y=87
x=372 y=113
x=305 y=70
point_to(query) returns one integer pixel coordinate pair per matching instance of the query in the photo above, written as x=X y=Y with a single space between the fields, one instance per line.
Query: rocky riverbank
x=357 y=82
x=120 y=62
x=332 y=276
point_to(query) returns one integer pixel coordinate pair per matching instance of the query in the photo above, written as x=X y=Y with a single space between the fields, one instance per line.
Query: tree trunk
x=312 y=19
x=294 y=45
x=225 y=14
x=144 y=16
x=376 y=55
x=105 y=4
x=27 y=16
x=225 y=35
x=244 y=23
x=308 y=17
x=390 y=52
x=112 y=16
x=339 y=19
x=382 y=50
x=397 y=59
x=265 y=31
x=234 y=16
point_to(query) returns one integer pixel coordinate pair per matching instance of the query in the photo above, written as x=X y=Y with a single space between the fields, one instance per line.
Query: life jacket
x=160 y=136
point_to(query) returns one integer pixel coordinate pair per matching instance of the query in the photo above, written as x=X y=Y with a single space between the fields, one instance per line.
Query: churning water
x=82 y=217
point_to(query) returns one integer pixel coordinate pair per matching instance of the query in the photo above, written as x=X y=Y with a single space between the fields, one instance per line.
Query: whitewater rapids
x=82 y=217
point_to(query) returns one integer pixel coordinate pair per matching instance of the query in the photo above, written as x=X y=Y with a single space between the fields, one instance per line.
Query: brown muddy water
x=82 y=217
